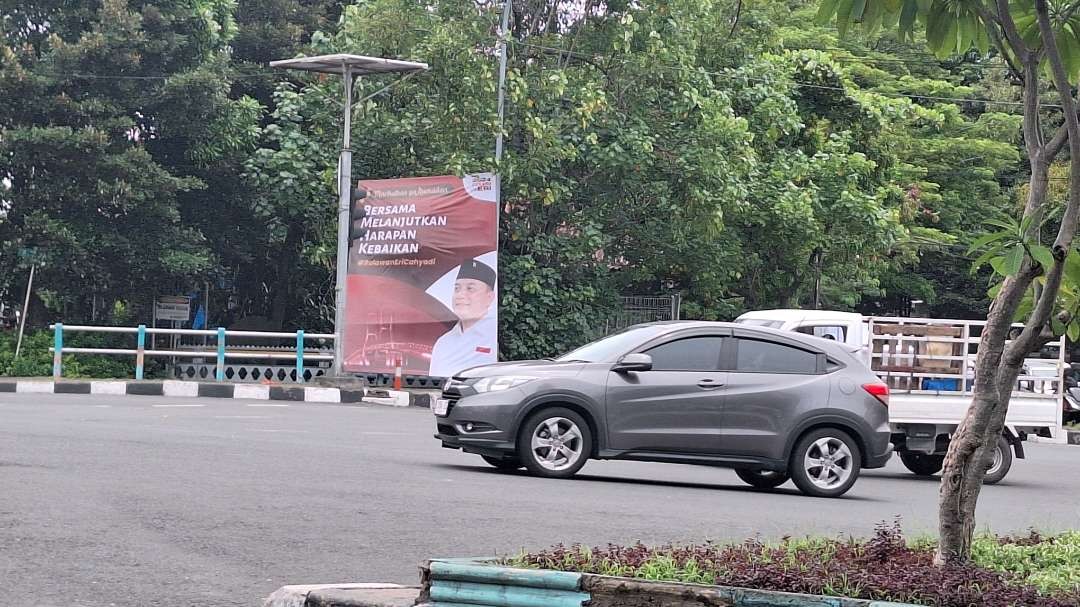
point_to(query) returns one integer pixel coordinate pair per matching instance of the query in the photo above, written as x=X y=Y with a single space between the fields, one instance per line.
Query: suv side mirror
x=633 y=362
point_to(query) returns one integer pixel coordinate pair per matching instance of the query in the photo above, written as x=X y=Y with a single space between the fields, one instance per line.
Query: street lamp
x=349 y=66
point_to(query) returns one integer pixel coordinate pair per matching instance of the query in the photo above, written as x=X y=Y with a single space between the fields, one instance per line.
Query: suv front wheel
x=825 y=463
x=761 y=479
x=554 y=443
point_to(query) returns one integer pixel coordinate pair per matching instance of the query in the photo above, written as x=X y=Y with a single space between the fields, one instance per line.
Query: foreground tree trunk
x=999 y=361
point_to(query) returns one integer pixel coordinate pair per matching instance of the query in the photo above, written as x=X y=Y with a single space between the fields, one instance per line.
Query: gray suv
x=772 y=405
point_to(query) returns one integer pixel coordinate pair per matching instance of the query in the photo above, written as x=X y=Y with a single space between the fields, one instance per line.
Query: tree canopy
x=742 y=154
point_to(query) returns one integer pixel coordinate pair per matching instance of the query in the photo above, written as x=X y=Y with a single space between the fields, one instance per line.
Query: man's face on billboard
x=472 y=298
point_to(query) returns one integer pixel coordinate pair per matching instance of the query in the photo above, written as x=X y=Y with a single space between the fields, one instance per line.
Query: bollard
x=220 y=375
x=397 y=373
x=58 y=351
x=140 y=352
x=300 y=356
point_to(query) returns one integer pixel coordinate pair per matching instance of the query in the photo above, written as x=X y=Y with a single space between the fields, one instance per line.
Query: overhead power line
x=730 y=75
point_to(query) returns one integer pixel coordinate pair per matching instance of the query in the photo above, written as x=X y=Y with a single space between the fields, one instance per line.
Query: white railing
x=221 y=352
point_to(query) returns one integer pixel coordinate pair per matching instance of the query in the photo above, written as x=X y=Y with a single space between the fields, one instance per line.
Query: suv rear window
x=755 y=356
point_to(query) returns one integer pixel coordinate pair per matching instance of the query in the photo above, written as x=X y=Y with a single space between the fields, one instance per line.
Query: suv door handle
x=710 y=384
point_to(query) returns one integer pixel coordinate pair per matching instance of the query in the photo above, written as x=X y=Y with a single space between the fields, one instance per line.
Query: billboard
x=422 y=283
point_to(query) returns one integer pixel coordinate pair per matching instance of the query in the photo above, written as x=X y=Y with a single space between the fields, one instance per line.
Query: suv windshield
x=613 y=346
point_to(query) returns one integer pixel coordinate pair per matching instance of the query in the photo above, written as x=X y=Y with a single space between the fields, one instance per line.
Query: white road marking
x=102 y=406
x=240 y=417
x=264 y=405
x=271 y=430
x=173 y=406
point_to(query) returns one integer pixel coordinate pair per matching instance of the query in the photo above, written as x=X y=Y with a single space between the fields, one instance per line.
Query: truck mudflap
x=1016 y=438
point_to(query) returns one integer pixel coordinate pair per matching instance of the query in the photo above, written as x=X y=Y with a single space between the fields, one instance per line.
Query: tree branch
x=1033 y=138
x=1053 y=147
x=1067 y=229
x=735 y=21
x=1019 y=348
x=992 y=27
x=1004 y=17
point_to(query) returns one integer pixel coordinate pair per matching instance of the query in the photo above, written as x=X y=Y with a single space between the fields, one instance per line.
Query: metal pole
x=300 y=356
x=220 y=374
x=140 y=352
x=504 y=33
x=344 y=201
x=26 y=306
x=58 y=351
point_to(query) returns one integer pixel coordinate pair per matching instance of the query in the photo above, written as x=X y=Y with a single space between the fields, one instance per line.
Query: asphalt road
x=192 y=502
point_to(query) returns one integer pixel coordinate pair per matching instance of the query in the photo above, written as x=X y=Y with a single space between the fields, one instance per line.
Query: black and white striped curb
x=188 y=389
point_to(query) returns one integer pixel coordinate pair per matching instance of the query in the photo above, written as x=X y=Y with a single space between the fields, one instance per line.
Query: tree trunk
x=283 y=290
x=975 y=439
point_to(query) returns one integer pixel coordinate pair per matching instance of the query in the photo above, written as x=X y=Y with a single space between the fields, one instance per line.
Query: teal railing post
x=58 y=350
x=220 y=354
x=140 y=352
x=300 y=356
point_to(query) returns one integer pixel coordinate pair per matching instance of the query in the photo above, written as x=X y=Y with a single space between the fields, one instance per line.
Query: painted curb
x=450 y=582
x=223 y=390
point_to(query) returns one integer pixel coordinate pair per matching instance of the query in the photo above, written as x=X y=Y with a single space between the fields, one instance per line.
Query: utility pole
x=504 y=35
x=26 y=306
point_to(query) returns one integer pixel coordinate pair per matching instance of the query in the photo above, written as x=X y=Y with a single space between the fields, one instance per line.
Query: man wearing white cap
x=474 y=339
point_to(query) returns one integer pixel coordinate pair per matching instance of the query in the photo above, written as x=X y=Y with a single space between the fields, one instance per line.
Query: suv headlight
x=502 y=382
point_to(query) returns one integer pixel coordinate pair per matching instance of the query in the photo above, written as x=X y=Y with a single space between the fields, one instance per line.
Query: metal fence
x=637 y=309
x=216 y=345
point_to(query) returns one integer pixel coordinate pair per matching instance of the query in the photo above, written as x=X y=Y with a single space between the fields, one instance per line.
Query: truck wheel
x=761 y=479
x=825 y=463
x=922 y=463
x=1000 y=462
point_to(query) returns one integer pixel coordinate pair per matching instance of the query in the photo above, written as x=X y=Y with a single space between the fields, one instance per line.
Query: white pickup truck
x=929 y=365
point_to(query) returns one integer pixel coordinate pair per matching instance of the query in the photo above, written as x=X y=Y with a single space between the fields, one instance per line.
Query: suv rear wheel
x=554 y=443
x=825 y=463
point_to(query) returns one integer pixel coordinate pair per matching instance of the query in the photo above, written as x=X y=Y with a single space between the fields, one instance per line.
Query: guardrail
x=220 y=353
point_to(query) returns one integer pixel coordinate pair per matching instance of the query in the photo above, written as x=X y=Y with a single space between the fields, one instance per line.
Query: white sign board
x=169 y=307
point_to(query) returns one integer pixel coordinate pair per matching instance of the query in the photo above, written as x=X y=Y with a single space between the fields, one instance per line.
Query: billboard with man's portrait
x=423 y=276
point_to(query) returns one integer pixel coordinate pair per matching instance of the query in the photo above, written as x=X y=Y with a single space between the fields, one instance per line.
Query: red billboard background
x=416 y=235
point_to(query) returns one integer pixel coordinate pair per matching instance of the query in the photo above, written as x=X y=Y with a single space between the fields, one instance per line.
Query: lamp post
x=350 y=67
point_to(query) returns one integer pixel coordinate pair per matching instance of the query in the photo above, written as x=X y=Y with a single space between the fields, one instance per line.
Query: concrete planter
x=479 y=582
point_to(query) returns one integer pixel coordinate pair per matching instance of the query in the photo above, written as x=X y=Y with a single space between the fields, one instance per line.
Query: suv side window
x=756 y=356
x=690 y=354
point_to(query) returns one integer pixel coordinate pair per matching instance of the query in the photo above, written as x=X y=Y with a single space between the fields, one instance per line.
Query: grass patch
x=1032 y=570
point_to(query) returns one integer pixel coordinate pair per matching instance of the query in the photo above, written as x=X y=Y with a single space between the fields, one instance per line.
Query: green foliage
x=1003 y=571
x=102 y=118
x=1052 y=565
x=35 y=359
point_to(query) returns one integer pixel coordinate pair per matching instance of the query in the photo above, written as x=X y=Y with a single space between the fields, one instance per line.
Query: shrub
x=35 y=360
x=882 y=568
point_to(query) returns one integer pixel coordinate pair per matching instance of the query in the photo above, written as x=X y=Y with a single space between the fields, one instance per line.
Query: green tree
x=1038 y=43
x=105 y=109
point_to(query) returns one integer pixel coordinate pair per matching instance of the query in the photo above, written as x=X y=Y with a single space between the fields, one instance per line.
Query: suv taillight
x=879 y=391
